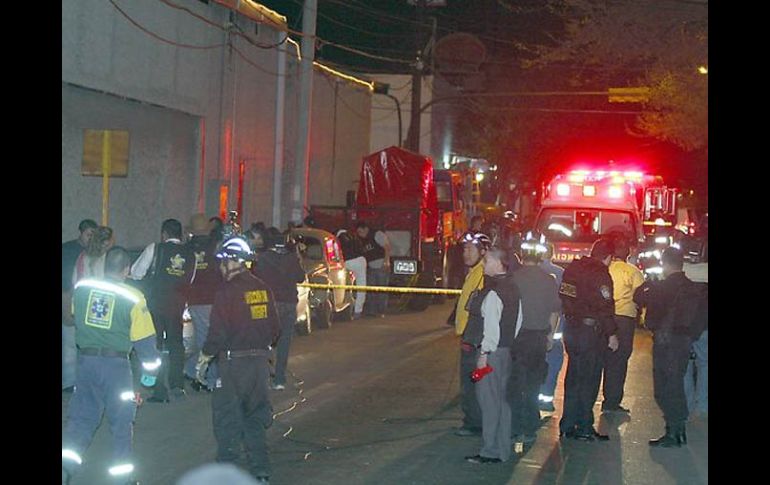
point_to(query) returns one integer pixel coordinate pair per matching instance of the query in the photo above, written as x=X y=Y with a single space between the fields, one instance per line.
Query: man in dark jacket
x=675 y=314
x=202 y=290
x=166 y=270
x=586 y=295
x=279 y=267
x=493 y=314
x=244 y=326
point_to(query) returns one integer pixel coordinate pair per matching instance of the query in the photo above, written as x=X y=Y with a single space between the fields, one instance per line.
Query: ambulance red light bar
x=616 y=175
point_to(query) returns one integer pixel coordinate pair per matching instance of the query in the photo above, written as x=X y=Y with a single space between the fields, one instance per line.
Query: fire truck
x=579 y=206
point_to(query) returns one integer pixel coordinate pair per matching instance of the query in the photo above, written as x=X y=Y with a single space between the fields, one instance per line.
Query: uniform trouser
x=172 y=369
x=584 y=346
x=468 y=400
x=358 y=267
x=377 y=301
x=616 y=363
x=287 y=312
x=69 y=356
x=241 y=410
x=696 y=379
x=528 y=372
x=100 y=383
x=555 y=359
x=669 y=363
x=492 y=394
x=201 y=319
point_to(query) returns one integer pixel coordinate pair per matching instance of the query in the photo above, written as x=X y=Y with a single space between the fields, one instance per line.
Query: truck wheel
x=420 y=302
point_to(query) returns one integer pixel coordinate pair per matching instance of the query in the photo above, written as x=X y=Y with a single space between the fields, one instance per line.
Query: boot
x=668 y=440
x=682 y=436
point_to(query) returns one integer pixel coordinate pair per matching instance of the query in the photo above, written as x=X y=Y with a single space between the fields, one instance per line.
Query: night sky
x=558 y=131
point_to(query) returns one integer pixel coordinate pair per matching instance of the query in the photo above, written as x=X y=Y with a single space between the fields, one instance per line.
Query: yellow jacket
x=473 y=280
x=626 y=278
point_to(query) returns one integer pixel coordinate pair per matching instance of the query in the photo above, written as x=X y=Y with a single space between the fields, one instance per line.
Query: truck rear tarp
x=394 y=178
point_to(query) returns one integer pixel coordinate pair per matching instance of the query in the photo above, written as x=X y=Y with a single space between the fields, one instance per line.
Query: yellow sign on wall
x=95 y=149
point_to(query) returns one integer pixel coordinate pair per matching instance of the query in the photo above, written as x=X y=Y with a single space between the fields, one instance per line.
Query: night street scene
x=384 y=241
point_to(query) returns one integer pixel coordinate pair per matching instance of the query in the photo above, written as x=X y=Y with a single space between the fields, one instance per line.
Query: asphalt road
x=375 y=401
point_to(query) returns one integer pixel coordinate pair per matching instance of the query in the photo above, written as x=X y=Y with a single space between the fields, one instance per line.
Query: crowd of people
x=515 y=316
x=514 y=308
x=122 y=318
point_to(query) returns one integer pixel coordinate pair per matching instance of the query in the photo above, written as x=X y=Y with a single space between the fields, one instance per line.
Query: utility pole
x=413 y=137
x=302 y=152
x=278 y=161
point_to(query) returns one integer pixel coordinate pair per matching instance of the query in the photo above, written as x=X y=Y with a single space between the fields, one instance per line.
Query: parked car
x=323 y=263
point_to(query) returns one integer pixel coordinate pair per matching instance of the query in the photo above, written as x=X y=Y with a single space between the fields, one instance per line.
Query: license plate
x=405 y=267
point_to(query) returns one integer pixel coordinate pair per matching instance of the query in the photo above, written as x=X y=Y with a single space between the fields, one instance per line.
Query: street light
x=703 y=69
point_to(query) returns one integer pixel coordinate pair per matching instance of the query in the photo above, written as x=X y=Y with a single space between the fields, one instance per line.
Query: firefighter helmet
x=235 y=249
x=477 y=238
x=533 y=248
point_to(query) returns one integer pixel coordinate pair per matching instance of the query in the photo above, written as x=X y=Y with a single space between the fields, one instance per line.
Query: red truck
x=397 y=194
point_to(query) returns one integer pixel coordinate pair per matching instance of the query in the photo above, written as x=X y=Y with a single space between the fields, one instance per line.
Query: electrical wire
x=355 y=29
x=160 y=38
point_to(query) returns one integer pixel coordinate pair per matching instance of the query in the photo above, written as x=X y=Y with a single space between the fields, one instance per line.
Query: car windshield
x=583 y=225
x=314 y=250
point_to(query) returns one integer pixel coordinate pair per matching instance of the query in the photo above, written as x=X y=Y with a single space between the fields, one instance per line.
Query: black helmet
x=235 y=249
x=533 y=248
x=478 y=238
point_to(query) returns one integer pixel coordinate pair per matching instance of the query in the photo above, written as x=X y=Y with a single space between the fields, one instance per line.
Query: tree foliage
x=654 y=43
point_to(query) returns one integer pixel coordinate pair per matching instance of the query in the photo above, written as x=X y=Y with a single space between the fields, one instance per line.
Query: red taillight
x=616 y=192
x=589 y=190
x=562 y=190
x=330 y=256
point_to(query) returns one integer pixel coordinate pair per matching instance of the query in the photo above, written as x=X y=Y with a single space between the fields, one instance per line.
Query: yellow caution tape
x=386 y=289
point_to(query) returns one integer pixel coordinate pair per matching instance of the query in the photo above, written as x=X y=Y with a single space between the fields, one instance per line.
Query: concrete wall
x=192 y=115
x=340 y=123
x=162 y=145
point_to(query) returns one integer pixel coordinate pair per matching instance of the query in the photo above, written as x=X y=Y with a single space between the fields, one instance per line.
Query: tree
x=655 y=43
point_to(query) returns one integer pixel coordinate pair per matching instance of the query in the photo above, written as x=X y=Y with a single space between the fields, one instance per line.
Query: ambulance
x=580 y=206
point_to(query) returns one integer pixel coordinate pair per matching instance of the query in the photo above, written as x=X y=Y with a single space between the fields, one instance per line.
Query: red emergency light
x=589 y=190
x=562 y=190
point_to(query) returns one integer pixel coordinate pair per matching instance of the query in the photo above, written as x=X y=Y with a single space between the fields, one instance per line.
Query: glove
x=202 y=366
x=479 y=373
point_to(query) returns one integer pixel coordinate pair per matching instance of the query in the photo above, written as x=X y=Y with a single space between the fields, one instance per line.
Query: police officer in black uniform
x=167 y=283
x=677 y=313
x=586 y=293
x=244 y=326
